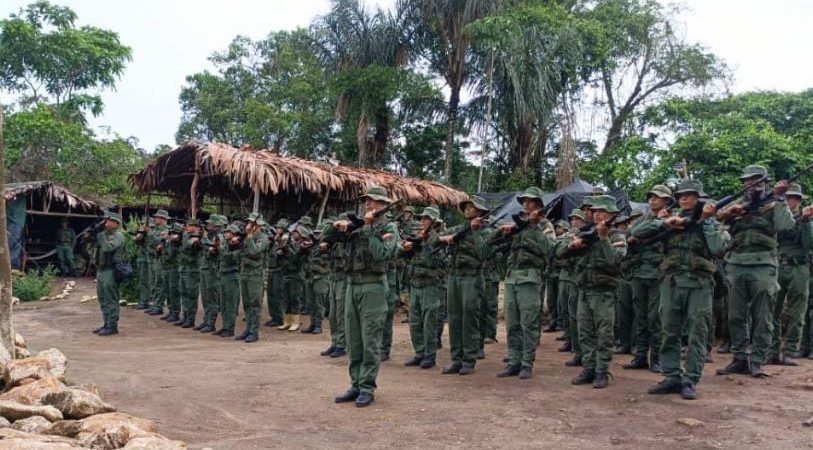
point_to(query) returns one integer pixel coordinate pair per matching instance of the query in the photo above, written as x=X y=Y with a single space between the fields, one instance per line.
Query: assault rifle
x=357 y=222
x=754 y=204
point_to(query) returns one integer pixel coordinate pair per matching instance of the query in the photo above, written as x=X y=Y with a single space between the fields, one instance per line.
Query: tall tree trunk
x=451 y=131
x=381 y=137
x=6 y=329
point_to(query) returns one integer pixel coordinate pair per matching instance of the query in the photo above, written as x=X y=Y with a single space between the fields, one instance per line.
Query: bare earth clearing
x=278 y=393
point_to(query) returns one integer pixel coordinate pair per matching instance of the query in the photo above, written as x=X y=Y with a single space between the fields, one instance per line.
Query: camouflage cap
x=563 y=224
x=408 y=209
x=431 y=212
x=753 y=171
x=660 y=190
x=282 y=223
x=636 y=213
x=113 y=216
x=478 y=203
x=177 y=226
x=689 y=187
x=576 y=212
x=344 y=216
x=587 y=201
x=162 y=213
x=305 y=232
x=605 y=203
x=234 y=229
x=377 y=193
x=193 y=222
x=796 y=190
x=306 y=220
x=253 y=217
x=532 y=192
x=622 y=218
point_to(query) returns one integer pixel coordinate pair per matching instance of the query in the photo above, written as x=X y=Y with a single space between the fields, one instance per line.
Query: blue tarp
x=15 y=225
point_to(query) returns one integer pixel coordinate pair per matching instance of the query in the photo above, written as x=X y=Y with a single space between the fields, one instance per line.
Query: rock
x=65 y=428
x=691 y=423
x=57 y=362
x=35 y=368
x=21 y=353
x=4 y=423
x=77 y=403
x=801 y=386
x=85 y=298
x=45 y=298
x=122 y=302
x=15 y=301
x=808 y=422
x=15 y=411
x=92 y=388
x=5 y=356
x=154 y=442
x=112 y=430
x=32 y=393
x=19 y=341
x=33 y=424
x=11 y=439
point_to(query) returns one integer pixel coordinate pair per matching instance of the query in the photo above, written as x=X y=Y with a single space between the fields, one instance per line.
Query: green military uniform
x=306 y=225
x=490 y=298
x=686 y=292
x=153 y=241
x=426 y=294
x=463 y=295
x=189 y=275
x=319 y=263
x=294 y=259
x=752 y=270
x=229 y=266
x=565 y=290
x=275 y=275
x=210 y=285
x=65 y=240
x=530 y=250
x=366 y=302
x=645 y=275
x=340 y=263
x=599 y=273
x=109 y=251
x=573 y=294
x=143 y=269
x=392 y=302
x=794 y=281
x=406 y=227
x=252 y=254
x=169 y=266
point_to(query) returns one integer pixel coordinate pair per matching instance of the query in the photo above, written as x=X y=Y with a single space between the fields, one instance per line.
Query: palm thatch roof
x=46 y=196
x=228 y=172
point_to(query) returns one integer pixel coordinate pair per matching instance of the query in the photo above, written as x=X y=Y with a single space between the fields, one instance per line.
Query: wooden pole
x=6 y=328
x=488 y=117
x=193 y=190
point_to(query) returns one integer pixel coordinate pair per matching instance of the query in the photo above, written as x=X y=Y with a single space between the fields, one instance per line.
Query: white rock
x=11 y=439
x=57 y=362
x=77 y=403
x=4 y=423
x=33 y=424
x=32 y=393
x=154 y=442
x=19 y=341
x=14 y=411
x=21 y=353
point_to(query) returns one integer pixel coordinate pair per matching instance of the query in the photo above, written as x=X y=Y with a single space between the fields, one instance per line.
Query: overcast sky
x=766 y=43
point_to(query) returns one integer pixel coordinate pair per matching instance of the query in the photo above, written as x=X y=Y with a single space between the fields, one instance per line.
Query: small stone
x=33 y=424
x=15 y=300
x=691 y=423
x=4 y=423
x=808 y=422
x=19 y=341
x=729 y=378
x=44 y=298
x=14 y=411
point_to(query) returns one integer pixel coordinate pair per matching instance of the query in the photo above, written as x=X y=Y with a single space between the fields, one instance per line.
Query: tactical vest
x=524 y=254
x=229 y=260
x=791 y=249
x=428 y=265
x=593 y=268
x=754 y=233
x=466 y=256
x=361 y=257
x=688 y=252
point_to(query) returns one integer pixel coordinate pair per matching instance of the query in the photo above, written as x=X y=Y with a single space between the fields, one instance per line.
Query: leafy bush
x=32 y=285
x=129 y=290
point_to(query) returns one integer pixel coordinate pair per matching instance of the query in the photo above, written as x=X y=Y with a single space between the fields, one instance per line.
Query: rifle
x=357 y=222
x=756 y=204
x=461 y=233
x=417 y=246
x=691 y=220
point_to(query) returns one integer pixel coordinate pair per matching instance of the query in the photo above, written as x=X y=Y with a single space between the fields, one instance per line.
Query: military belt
x=361 y=278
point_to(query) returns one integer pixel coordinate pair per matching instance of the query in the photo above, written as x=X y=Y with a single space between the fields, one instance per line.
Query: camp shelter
x=286 y=186
x=34 y=212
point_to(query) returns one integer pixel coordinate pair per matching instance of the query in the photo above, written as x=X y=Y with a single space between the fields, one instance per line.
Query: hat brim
x=604 y=208
x=658 y=194
x=795 y=194
x=689 y=191
x=375 y=197
x=754 y=175
x=521 y=198
x=462 y=205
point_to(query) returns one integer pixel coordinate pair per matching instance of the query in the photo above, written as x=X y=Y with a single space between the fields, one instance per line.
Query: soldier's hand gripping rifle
x=357 y=222
x=755 y=203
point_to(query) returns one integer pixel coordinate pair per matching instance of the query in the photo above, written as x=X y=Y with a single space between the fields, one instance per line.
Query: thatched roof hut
x=45 y=197
x=284 y=183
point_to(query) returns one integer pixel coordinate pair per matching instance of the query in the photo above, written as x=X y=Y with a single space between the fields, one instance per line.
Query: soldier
x=340 y=263
x=371 y=248
x=426 y=289
x=189 y=272
x=686 y=287
x=210 y=287
x=109 y=251
x=577 y=222
x=153 y=240
x=65 y=240
x=276 y=277
x=294 y=255
x=794 y=279
x=143 y=265
x=319 y=262
x=645 y=276
x=467 y=250
x=306 y=299
x=490 y=300
x=252 y=253
x=561 y=268
x=600 y=250
x=392 y=302
x=170 y=249
x=530 y=251
x=752 y=265
x=229 y=266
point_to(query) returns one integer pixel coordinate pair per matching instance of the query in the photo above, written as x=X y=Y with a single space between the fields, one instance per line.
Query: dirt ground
x=278 y=393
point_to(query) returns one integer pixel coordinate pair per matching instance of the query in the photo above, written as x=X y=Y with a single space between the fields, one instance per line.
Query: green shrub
x=129 y=291
x=32 y=285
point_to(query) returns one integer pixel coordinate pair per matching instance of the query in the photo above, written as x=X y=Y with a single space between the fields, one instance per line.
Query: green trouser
x=626 y=316
x=573 y=316
x=794 y=282
x=646 y=300
x=522 y=322
x=251 y=290
x=596 y=316
x=321 y=296
x=336 y=311
x=307 y=297
x=685 y=305
x=443 y=311
x=552 y=299
x=274 y=293
x=230 y=284
x=807 y=334
x=144 y=283
x=423 y=318
x=158 y=298
x=364 y=314
x=392 y=302
x=171 y=290
x=292 y=295
x=463 y=303
x=190 y=289
x=107 y=291
x=488 y=310
x=719 y=321
x=566 y=290
x=65 y=258
x=210 y=295
x=750 y=307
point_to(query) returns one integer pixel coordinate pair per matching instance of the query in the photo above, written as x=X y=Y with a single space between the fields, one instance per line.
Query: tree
x=46 y=58
x=6 y=329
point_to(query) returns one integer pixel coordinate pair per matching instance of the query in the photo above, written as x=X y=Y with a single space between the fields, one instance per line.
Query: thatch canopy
x=45 y=196
x=284 y=182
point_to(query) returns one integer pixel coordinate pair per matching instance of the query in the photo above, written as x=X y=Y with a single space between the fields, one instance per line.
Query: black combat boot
x=757 y=372
x=665 y=387
x=349 y=396
x=242 y=336
x=509 y=371
x=108 y=331
x=428 y=362
x=414 y=361
x=688 y=391
x=576 y=361
x=585 y=377
x=452 y=369
x=338 y=353
x=601 y=380
x=736 y=366
x=525 y=373
x=327 y=352
x=639 y=362
x=655 y=365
